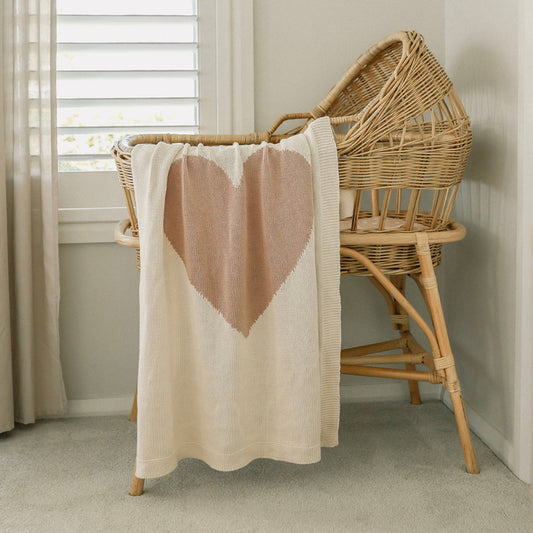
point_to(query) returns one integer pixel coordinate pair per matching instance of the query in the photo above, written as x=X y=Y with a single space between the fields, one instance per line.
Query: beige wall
x=98 y=320
x=524 y=370
x=302 y=47
x=482 y=39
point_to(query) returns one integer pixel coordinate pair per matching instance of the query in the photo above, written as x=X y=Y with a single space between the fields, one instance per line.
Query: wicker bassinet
x=403 y=140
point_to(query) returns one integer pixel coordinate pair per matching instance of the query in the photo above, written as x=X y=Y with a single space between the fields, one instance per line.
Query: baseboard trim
x=349 y=394
x=385 y=392
x=488 y=434
x=100 y=407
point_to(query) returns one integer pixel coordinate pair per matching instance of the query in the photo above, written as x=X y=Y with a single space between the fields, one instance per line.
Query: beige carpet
x=398 y=468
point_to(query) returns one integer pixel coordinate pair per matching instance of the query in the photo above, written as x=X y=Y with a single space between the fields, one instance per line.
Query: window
x=132 y=66
x=123 y=67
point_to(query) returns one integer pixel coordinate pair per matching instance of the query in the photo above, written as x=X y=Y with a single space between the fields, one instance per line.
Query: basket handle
x=405 y=37
x=120 y=234
x=284 y=118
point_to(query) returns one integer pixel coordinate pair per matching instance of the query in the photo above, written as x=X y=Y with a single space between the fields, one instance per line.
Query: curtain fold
x=31 y=382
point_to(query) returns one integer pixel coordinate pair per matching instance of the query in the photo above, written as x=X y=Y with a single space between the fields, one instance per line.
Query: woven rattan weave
x=403 y=140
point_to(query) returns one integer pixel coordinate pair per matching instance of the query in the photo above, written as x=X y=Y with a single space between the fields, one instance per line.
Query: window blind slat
x=125 y=29
x=82 y=157
x=133 y=56
x=122 y=113
x=125 y=84
x=101 y=141
x=114 y=102
x=130 y=130
x=126 y=7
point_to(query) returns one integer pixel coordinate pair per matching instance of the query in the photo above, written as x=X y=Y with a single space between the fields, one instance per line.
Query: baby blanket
x=239 y=301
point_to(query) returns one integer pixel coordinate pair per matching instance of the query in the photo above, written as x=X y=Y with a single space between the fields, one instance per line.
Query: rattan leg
x=400 y=321
x=445 y=363
x=464 y=432
x=137 y=484
x=133 y=414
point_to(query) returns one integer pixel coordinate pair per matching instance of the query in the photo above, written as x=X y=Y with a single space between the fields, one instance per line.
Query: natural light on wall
x=123 y=67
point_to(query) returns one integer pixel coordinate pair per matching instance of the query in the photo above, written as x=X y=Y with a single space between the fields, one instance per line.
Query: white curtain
x=31 y=382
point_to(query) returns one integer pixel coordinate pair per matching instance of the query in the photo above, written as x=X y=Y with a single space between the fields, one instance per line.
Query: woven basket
x=403 y=140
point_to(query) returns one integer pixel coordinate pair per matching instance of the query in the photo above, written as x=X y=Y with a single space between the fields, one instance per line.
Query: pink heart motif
x=239 y=244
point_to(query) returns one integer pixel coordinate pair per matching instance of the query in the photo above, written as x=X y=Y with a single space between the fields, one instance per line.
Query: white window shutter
x=123 y=67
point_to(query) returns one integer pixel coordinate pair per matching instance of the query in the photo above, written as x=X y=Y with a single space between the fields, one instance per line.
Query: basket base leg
x=414 y=391
x=429 y=286
x=464 y=433
x=133 y=414
x=137 y=484
x=399 y=283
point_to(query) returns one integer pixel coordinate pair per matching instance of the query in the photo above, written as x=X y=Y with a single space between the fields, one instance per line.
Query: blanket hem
x=154 y=468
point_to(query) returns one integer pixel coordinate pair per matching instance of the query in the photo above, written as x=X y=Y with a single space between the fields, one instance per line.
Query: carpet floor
x=398 y=468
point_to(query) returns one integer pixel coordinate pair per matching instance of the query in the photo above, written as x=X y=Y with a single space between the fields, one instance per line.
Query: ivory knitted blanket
x=239 y=301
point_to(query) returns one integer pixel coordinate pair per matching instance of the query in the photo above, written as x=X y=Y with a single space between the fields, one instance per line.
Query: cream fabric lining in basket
x=216 y=383
x=372 y=223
